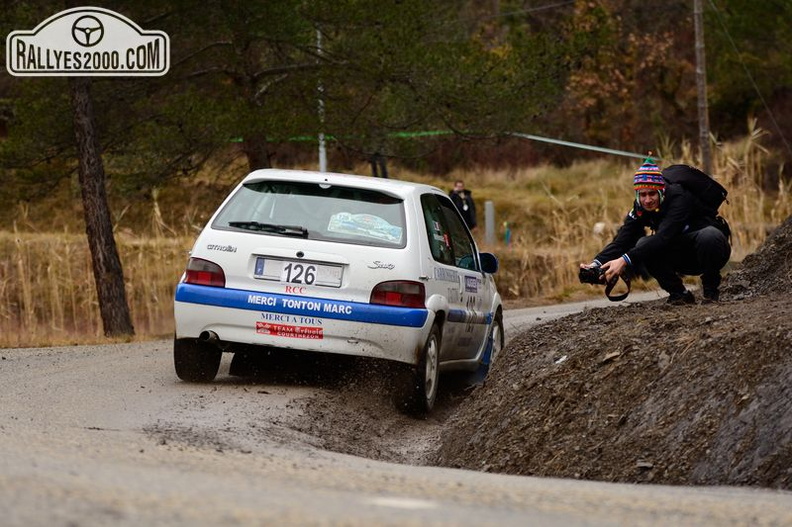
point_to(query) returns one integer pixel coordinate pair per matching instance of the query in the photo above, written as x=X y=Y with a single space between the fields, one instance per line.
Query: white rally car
x=340 y=264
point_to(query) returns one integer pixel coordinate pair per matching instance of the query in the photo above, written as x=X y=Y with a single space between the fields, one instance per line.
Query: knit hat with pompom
x=649 y=176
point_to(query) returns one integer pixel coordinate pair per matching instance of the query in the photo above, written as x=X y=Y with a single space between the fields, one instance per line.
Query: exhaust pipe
x=210 y=337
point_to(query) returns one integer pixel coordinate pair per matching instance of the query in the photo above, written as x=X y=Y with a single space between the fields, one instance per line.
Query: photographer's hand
x=614 y=269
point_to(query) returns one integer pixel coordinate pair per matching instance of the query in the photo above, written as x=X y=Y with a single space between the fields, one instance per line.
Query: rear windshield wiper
x=288 y=230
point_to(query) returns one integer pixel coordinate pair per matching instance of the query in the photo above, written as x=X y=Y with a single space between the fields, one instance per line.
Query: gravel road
x=107 y=435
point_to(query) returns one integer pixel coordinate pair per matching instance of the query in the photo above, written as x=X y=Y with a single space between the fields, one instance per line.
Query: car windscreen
x=316 y=211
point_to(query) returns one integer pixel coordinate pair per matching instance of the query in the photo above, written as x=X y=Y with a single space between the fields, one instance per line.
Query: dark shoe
x=711 y=297
x=681 y=299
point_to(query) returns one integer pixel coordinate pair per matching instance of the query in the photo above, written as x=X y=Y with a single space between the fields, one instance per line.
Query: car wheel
x=420 y=387
x=196 y=361
x=496 y=339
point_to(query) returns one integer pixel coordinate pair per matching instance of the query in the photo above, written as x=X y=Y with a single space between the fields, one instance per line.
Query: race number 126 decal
x=297 y=273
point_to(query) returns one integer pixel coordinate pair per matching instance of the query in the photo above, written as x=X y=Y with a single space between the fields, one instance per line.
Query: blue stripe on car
x=306 y=306
x=472 y=317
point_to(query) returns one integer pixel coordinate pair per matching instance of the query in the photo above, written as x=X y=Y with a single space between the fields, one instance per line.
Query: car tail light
x=204 y=272
x=399 y=293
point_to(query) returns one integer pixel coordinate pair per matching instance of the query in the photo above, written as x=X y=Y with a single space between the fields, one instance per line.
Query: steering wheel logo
x=87 y=31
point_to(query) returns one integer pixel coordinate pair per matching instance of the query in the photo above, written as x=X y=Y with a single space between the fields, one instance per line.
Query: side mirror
x=489 y=263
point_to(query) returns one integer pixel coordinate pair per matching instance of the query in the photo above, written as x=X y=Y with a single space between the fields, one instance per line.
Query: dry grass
x=557 y=217
x=48 y=294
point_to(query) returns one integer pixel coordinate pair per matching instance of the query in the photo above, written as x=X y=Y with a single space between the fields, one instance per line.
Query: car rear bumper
x=304 y=323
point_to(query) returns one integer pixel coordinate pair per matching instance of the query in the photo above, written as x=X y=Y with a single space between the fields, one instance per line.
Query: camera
x=592 y=275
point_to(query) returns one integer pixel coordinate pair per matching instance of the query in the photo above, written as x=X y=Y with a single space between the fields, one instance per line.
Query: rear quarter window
x=449 y=240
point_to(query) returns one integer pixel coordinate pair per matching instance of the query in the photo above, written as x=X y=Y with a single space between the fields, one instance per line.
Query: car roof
x=390 y=186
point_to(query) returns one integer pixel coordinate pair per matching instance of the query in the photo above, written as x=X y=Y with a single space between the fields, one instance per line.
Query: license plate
x=298 y=272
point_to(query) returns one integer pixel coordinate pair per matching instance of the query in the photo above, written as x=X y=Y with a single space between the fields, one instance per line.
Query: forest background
x=437 y=89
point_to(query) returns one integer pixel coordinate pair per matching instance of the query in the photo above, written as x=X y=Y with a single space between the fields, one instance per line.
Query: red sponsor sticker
x=285 y=330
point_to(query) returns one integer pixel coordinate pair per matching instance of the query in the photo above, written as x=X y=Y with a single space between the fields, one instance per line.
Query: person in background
x=684 y=241
x=464 y=203
x=379 y=165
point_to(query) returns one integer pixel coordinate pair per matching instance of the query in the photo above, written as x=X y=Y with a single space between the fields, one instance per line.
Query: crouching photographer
x=685 y=240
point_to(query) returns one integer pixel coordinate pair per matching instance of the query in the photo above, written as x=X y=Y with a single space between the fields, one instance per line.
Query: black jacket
x=464 y=203
x=680 y=212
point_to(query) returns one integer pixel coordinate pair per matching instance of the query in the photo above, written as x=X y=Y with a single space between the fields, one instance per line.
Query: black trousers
x=699 y=253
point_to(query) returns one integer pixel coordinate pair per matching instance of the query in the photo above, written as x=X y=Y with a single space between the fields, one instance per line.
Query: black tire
x=243 y=364
x=419 y=383
x=498 y=340
x=499 y=337
x=196 y=361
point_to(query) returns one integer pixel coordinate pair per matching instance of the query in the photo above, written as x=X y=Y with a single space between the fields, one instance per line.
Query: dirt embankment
x=646 y=393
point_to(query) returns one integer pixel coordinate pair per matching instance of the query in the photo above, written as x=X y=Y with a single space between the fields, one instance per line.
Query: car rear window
x=316 y=211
